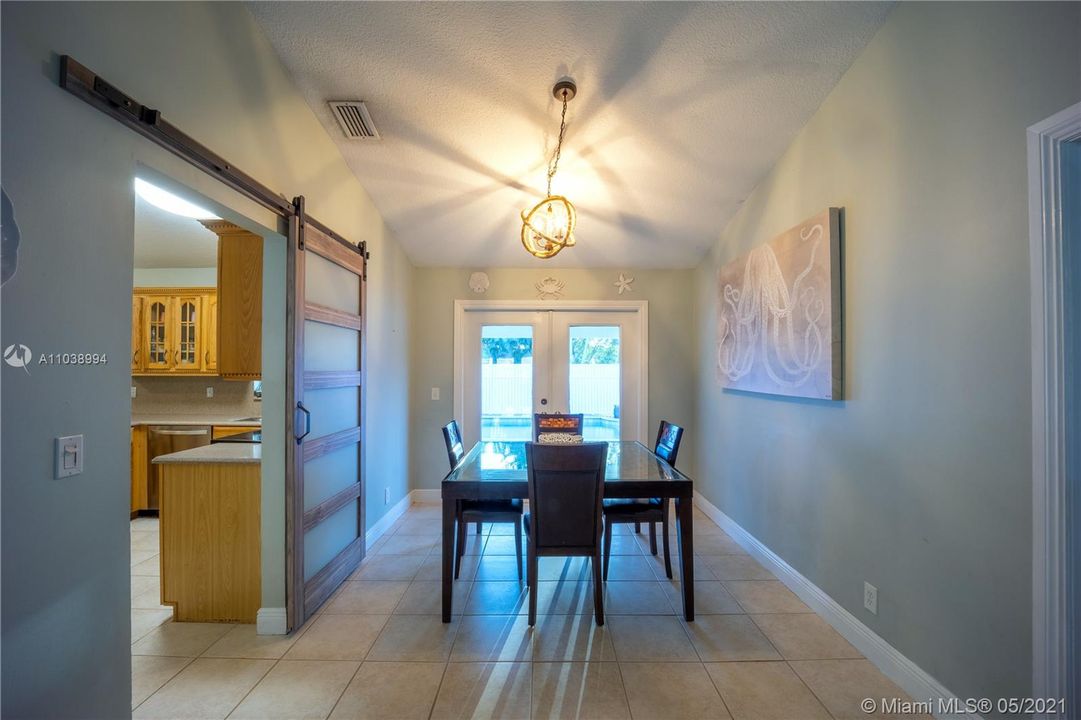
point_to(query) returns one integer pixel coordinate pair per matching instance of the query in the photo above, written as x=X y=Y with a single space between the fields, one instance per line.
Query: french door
x=511 y=363
x=325 y=459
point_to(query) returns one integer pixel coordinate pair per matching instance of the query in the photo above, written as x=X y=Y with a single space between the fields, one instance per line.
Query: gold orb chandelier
x=548 y=226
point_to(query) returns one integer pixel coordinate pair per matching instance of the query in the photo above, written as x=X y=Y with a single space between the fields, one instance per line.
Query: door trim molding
x=639 y=307
x=1048 y=401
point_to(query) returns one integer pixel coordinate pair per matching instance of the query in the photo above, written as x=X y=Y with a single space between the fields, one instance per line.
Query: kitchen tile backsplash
x=187 y=396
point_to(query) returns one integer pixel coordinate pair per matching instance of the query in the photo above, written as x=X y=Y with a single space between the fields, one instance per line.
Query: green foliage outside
x=584 y=351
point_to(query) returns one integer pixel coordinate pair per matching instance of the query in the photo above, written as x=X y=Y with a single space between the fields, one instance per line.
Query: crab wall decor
x=550 y=289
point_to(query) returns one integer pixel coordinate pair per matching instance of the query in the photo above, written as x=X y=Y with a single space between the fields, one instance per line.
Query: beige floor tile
x=407 y=545
x=650 y=637
x=656 y=564
x=432 y=568
x=337 y=637
x=502 y=545
x=563 y=598
x=485 y=691
x=630 y=567
x=579 y=690
x=765 y=691
x=180 y=639
x=571 y=637
x=367 y=597
x=145 y=541
x=805 y=636
x=636 y=598
x=243 y=642
x=207 y=689
x=425 y=597
x=418 y=526
x=724 y=638
x=633 y=544
x=140 y=556
x=150 y=672
x=388 y=567
x=671 y=690
x=384 y=690
x=557 y=569
x=737 y=567
x=496 y=598
x=146 y=592
x=483 y=638
x=842 y=684
x=710 y=598
x=297 y=690
x=147 y=524
x=765 y=596
x=719 y=544
x=144 y=621
x=497 y=568
x=414 y=638
x=151 y=566
x=474 y=545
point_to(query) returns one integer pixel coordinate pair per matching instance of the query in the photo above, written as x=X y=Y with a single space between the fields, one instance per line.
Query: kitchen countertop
x=216 y=453
x=208 y=419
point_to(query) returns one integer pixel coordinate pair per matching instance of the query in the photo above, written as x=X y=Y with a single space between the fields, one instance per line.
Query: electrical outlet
x=210 y=392
x=386 y=496
x=133 y=391
x=435 y=393
x=870 y=597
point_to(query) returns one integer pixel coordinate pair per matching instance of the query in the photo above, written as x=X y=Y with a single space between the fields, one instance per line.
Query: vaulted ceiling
x=682 y=109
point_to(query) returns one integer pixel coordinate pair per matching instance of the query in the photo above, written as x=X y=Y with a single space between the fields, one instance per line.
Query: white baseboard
x=898 y=668
x=427 y=497
x=387 y=520
x=270 y=621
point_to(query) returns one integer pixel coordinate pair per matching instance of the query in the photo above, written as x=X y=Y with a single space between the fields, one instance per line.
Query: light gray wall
x=919 y=482
x=68 y=169
x=671 y=344
x=176 y=277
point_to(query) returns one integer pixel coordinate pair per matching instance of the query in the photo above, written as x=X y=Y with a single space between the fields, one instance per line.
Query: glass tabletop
x=505 y=461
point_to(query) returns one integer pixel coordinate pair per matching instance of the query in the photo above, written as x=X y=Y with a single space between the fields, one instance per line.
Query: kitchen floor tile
x=710 y=598
x=143 y=621
x=629 y=568
x=388 y=567
x=805 y=636
x=636 y=598
x=556 y=569
x=383 y=690
x=842 y=684
x=719 y=544
x=366 y=597
x=150 y=672
x=243 y=642
x=579 y=690
x=180 y=639
x=483 y=638
x=765 y=596
x=145 y=541
x=207 y=689
x=407 y=545
x=721 y=638
x=499 y=568
x=149 y=567
x=671 y=690
x=425 y=597
x=297 y=690
x=496 y=598
x=488 y=691
x=432 y=567
x=337 y=637
x=737 y=567
x=650 y=637
x=571 y=637
x=414 y=638
x=765 y=691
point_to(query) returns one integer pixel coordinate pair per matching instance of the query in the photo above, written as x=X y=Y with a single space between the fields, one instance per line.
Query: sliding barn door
x=325 y=489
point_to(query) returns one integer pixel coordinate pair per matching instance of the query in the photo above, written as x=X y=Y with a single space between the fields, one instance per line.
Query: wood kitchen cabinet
x=172 y=329
x=139 y=499
x=240 y=301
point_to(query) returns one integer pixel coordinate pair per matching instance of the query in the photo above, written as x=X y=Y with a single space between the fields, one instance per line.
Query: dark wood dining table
x=497 y=471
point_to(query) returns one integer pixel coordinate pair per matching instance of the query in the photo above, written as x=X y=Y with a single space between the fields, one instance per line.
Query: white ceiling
x=682 y=109
x=166 y=240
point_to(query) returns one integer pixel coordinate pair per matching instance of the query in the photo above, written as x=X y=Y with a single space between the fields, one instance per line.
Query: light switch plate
x=435 y=393
x=69 y=456
x=132 y=391
x=210 y=392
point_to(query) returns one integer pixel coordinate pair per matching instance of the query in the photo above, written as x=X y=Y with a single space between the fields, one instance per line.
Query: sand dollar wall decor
x=479 y=283
x=779 y=314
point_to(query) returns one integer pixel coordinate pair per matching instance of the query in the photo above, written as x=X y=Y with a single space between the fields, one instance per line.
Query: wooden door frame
x=640 y=307
x=1049 y=440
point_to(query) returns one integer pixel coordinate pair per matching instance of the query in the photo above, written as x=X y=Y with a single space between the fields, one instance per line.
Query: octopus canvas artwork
x=779 y=314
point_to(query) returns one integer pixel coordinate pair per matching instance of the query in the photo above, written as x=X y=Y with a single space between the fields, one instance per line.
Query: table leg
x=685 y=543
x=449 y=516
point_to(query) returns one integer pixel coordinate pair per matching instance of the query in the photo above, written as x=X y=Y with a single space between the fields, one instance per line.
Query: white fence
x=506 y=389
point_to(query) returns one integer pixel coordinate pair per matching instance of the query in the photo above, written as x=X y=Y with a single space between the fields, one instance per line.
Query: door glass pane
x=506 y=375
x=594 y=379
x=326 y=283
x=328 y=347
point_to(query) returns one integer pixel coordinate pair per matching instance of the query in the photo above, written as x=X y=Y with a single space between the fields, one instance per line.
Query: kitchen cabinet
x=138 y=469
x=171 y=331
x=223 y=431
x=239 y=341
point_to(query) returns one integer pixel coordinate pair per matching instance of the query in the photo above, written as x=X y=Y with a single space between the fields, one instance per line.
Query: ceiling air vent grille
x=354 y=119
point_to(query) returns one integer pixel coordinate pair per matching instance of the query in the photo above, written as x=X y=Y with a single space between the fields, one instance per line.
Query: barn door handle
x=307 y=421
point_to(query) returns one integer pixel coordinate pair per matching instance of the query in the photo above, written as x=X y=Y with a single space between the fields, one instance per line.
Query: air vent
x=354 y=119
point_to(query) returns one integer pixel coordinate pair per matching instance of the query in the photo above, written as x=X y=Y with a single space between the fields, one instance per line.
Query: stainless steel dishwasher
x=165 y=439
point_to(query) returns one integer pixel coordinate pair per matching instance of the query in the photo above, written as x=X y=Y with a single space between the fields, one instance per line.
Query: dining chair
x=566 y=488
x=479 y=511
x=645 y=510
x=561 y=423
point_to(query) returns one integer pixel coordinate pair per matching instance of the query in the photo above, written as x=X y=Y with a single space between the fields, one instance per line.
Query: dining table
x=496 y=470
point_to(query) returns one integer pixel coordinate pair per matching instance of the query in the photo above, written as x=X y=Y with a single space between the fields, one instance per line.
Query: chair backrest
x=557 y=423
x=669 y=437
x=566 y=491
x=452 y=436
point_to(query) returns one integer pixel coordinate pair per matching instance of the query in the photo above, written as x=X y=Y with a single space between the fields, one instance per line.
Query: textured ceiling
x=682 y=108
x=165 y=240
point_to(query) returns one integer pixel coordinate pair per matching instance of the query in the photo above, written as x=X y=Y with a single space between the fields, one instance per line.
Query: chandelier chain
x=559 y=145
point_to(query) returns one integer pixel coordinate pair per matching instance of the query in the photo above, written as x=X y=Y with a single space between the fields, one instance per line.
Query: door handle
x=307 y=421
x=544 y=401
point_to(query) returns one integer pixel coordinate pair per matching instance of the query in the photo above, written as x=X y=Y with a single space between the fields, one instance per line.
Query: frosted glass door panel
x=323 y=542
x=328 y=474
x=327 y=347
x=333 y=410
x=332 y=285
